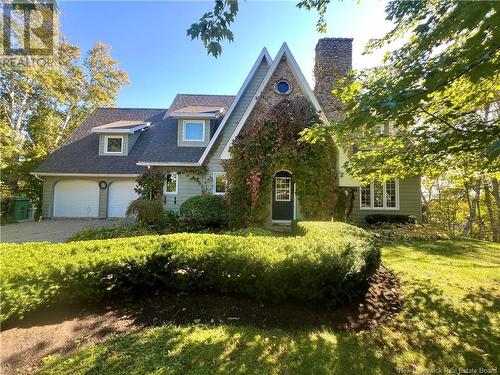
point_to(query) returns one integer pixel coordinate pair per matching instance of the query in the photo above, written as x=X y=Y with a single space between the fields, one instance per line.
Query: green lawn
x=450 y=320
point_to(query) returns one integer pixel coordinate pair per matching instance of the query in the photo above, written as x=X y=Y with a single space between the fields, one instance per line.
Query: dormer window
x=113 y=144
x=193 y=131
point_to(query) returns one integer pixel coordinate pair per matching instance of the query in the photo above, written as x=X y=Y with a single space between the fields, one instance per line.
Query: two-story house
x=93 y=174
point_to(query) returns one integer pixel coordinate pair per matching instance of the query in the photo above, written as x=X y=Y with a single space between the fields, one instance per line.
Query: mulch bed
x=63 y=329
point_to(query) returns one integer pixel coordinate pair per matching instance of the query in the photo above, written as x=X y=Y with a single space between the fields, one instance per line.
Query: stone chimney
x=333 y=61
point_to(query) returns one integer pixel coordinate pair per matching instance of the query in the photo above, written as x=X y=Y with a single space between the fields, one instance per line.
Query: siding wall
x=187 y=187
x=266 y=100
x=48 y=193
x=409 y=202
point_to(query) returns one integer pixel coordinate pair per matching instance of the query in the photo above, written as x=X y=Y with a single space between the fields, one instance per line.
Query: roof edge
x=264 y=54
x=48 y=174
x=292 y=63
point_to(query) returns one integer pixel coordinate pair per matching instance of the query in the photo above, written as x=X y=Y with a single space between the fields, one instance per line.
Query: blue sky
x=149 y=40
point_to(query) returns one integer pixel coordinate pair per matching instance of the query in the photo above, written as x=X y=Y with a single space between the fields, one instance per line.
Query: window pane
x=193 y=131
x=171 y=183
x=114 y=145
x=365 y=196
x=378 y=195
x=390 y=194
x=283 y=189
x=220 y=183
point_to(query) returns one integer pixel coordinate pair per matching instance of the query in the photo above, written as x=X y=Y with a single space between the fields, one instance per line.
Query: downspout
x=33 y=211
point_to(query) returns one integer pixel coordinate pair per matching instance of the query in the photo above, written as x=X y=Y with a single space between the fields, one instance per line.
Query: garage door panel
x=76 y=198
x=120 y=194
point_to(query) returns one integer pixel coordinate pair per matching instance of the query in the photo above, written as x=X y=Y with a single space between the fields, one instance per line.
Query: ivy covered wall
x=271 y=141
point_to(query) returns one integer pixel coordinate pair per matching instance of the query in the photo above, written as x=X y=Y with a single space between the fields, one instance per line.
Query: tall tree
x=40 y=107
x=436 y=97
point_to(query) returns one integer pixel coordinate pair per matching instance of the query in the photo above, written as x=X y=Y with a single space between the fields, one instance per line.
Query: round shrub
x=204 y=212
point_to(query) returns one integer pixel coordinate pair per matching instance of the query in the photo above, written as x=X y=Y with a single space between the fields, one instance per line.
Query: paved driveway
x=48 y=230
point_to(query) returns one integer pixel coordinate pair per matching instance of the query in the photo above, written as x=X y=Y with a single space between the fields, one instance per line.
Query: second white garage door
x=120 y=194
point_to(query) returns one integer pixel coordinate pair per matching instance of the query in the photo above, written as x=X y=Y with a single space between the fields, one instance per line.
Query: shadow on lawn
x=451 y=334
x=431 y=333
x=462 y=249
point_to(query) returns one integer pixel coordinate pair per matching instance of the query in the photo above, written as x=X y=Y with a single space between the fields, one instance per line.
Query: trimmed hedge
x=390 y=218
x=118 y=230
x=326 y=260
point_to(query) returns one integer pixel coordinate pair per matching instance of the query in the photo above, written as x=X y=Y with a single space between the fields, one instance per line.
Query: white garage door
x=76 y=198
x=120 y=194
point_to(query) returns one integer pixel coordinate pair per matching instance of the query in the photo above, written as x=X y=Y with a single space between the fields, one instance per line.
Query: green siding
x=189 y=187
x=186 y=188
x=409 y=202
x=213 y=162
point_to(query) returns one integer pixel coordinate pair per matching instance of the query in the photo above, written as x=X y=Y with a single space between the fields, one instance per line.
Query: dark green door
x=282 y=196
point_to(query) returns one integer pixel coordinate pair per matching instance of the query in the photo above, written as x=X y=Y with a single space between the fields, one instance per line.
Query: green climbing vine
x=273 y=142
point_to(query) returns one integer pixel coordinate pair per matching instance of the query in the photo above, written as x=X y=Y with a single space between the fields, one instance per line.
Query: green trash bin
x=20 y=208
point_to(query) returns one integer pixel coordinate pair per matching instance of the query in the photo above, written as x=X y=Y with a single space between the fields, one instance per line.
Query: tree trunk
x=467 y=231
x=491 y=212
x=350 y=204
x=480 y=221
x=496 y=195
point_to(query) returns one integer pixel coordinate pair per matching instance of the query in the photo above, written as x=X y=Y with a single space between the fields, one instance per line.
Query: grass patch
x=450 y=320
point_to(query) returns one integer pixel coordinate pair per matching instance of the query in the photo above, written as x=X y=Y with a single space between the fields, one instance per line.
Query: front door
x=283 y=202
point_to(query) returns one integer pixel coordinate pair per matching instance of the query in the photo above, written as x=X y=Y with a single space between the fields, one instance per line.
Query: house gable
x=212 y=154
x=284 y=67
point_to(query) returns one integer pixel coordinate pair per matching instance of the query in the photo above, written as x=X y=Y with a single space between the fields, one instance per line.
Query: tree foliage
x=41 y=106
x=436 y=97
x=150 y=184
x=214 y=27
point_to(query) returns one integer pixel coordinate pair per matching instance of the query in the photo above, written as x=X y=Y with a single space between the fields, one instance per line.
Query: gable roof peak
x=301 y=80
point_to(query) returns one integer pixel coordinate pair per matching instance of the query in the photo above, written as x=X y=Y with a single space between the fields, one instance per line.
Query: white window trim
x=184 y=122
x=214 y=187
x=290 y=189
x=176 y=185
x=106 y=137
x=384 y=197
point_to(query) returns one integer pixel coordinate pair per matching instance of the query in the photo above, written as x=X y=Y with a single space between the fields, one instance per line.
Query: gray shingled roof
x=80 y=153
x=163 y=148
x=120 y=125
x=162 y=145
x=187 y=100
